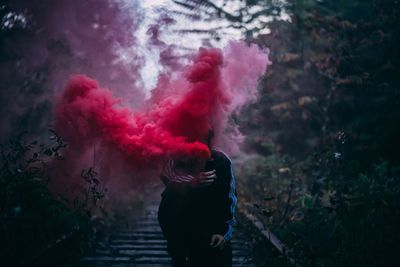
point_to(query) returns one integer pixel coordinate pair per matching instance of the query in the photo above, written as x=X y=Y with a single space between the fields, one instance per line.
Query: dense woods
x=326 y=128
x=322 y=141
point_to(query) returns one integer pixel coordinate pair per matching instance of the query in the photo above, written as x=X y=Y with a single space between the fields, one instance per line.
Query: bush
x=351 y=218
x=38 y=228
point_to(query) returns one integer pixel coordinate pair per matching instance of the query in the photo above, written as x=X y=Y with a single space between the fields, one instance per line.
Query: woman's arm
x=228 y=200
x=170 y=178
x=169 y=175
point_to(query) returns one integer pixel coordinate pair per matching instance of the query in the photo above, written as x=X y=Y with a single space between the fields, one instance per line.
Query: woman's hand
x=217 y=241
x=203 y=179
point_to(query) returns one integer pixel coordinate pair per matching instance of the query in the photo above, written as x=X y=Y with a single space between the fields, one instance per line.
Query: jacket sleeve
x=229 y=200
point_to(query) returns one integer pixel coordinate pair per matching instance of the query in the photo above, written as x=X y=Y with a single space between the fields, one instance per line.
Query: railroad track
x=143 y=245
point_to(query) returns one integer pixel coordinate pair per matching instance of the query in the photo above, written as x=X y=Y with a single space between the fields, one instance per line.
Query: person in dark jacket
x=196 y=212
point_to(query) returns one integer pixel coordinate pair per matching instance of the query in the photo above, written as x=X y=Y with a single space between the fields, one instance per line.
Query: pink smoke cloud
x=177 y=117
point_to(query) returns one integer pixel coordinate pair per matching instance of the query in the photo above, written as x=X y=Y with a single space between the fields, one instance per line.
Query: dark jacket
x=201 y=212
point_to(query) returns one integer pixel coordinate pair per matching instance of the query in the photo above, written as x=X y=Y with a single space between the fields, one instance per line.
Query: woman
x=196 y=213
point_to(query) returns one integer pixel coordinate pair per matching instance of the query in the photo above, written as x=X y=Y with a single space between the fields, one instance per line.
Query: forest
x=318 y=164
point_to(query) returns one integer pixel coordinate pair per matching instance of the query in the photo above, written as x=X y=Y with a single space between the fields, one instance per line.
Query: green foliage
x=272 y=184
x=38 y=228
x=329 y=112
x=351 y=220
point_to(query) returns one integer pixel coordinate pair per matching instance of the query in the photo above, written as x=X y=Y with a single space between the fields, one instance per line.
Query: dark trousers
x=189 y=246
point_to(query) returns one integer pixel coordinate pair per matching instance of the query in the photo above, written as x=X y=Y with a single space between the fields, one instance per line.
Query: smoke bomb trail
x=173 y=123
x=174 y=126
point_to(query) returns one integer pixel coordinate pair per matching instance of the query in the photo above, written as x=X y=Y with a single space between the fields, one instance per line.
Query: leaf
x=48 y=152
x=307 y=201
x=269 y=198
x=267 y=213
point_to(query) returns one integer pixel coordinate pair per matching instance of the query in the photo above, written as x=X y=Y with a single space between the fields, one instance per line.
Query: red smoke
x=193 y=116
x=123 y=143
x=87 y=112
